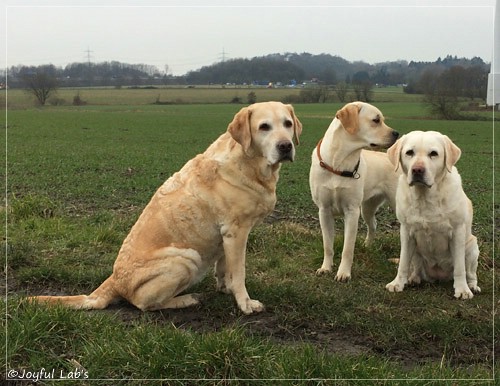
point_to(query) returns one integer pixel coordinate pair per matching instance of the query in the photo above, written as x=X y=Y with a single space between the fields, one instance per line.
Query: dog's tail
x=97 y=300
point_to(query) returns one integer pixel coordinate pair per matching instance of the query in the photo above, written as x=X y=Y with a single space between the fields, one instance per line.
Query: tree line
x=86 y=74
x=286 y=69
x=442 y=82
x=444 y=89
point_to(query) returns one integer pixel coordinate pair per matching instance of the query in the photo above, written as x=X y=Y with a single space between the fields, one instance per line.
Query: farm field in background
x=182 y=95
x=78 y=177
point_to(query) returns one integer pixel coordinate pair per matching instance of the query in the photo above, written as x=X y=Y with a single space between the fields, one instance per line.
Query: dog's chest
x=433 y=247
x=340 y=194
x=427 y=219
x=431 y=228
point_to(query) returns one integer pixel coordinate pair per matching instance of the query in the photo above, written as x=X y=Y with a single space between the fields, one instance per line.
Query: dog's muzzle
x=418 y=176
x=391 y=141
x=395 y=136
x=285 y=150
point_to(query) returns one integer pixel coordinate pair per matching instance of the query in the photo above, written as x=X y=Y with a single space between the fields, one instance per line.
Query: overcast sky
x=186 y=36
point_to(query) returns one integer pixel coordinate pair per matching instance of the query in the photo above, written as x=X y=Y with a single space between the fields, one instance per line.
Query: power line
x=88 y=51
x=222 y=55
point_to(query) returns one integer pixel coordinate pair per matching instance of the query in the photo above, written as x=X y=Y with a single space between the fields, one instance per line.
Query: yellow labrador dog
x=202 y=216
x=435 y=215
x=344 y=178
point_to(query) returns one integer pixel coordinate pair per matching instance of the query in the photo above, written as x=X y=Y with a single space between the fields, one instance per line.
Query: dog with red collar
x=347 y=179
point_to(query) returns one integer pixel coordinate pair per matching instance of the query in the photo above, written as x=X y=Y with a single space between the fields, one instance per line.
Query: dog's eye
x=376 y=120
x=288 y=123
x=433 y=154
x=265 y=127
x=410 y=153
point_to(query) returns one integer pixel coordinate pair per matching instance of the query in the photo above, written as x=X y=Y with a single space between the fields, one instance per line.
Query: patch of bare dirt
x=269 y=326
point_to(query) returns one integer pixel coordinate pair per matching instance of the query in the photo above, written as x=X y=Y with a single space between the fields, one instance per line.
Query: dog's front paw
x=474 y=288
x=395 y=286
x=463 y=293
x=251 y=306
x=343 y=275
x=323 y=271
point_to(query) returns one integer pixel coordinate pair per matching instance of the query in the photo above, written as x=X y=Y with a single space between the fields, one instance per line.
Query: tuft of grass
x=33 y=206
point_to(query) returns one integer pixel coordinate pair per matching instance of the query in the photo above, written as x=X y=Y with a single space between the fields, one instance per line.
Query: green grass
x=179 y=355
x=79 y=177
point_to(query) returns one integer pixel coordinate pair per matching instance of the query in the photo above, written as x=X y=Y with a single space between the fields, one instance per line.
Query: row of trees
x=247 y=71
x=325 y=68
x=467 y=82
x=90 y=74
x=443 y=89
x=289 y=68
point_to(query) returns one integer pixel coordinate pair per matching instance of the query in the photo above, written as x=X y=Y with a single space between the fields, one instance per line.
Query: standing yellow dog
x=346 y=180
x=202 y=216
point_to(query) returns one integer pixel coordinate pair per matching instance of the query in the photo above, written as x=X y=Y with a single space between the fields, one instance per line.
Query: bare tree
x=341 y=89
x=315 y=94
x=367 y=89
x=442 y=105
x=41 y=85
x=441 y=92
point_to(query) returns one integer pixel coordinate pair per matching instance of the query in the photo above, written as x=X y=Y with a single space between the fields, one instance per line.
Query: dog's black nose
x=284 y=147
x=418 y=171
x=395 y=134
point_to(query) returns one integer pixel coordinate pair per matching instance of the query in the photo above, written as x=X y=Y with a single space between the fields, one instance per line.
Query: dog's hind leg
x=172 y=271
x=220 y=275
x=471 y=256
x=181 y=301
x=161 y=292
x=368 y=210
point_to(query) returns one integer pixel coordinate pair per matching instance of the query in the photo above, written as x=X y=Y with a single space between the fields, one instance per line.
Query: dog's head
x=365 y=123
x=267 y=129
x=425 y=157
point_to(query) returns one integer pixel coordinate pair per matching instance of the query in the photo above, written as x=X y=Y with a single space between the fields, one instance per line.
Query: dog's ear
x=349 y=117
x=239 y=128
x=394 y=153
x=297 y=126
x=452 y=153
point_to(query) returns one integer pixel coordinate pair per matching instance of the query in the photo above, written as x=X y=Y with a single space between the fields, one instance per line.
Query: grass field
x=78 y=177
